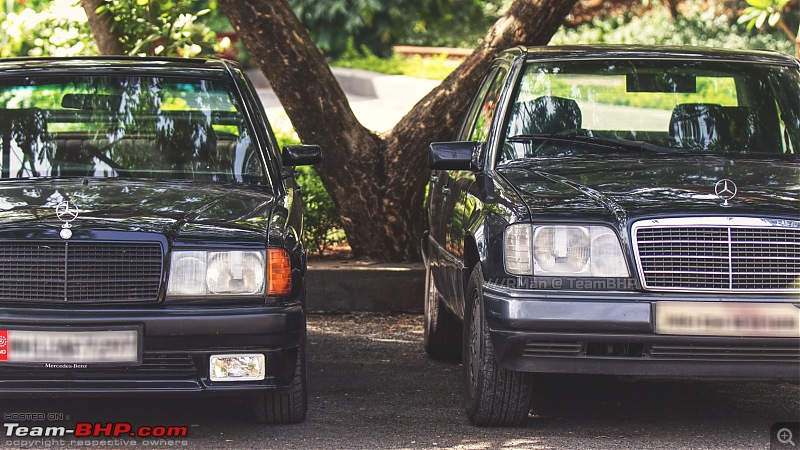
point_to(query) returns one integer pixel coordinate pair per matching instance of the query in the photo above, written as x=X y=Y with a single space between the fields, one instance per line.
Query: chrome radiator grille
x=90 y=272
x=752 y=255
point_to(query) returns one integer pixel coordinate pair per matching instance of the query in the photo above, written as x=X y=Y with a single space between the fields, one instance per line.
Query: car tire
x=285 y=406
x=442 y=332
x=493 y=396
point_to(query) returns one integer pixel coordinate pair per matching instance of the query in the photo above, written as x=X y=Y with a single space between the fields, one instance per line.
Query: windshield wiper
x=623 y=144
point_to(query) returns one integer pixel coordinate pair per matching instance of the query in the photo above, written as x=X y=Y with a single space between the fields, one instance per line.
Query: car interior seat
x=189 y=145
x=545 y=115
x=699 y=126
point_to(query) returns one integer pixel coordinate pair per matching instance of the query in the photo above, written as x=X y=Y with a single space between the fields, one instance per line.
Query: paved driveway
x=373 y=387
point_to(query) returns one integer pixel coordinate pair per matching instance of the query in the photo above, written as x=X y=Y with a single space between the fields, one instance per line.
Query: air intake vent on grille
x=155 y=366
x=754 y=353
x=80 y=271
x=723 y=254
x=552 y=349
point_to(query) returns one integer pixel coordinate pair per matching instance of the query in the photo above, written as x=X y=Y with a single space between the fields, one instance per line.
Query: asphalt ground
x=371 y=386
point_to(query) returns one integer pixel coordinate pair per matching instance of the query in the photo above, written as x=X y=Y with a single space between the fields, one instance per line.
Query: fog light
x=241 y=367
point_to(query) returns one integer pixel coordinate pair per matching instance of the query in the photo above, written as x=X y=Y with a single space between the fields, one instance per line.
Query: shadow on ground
x=371 y=386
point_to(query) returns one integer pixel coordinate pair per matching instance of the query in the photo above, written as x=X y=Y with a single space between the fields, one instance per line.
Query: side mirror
x=453 y=155
x=301 y=155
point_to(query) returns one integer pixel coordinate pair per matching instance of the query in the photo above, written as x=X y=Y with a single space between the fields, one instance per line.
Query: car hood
x=618 y=189
x=181 y=211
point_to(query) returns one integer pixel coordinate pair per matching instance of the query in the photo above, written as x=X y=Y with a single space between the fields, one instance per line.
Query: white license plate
x=727 y=319
x=28 y=346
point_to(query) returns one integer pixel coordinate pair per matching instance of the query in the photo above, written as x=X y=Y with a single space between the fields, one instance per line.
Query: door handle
x=446 y=190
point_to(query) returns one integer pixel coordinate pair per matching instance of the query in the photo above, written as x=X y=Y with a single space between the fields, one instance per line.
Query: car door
x=441 y=203
x=457 y=207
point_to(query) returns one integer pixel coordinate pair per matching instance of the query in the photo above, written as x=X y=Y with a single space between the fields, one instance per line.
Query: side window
x=465 y=128
x=487 y=107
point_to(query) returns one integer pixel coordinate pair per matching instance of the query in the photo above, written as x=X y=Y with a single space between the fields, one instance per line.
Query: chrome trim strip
x=723 y=222
x=730 y=258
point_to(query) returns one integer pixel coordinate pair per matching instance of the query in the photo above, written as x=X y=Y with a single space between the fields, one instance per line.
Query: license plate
x=29 y=346
x=727 y=319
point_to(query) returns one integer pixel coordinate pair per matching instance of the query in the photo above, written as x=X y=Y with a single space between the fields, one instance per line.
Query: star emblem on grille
x=726 y=190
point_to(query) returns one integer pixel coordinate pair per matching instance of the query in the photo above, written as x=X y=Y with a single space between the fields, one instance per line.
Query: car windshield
x=667 y=106
x=125 y=126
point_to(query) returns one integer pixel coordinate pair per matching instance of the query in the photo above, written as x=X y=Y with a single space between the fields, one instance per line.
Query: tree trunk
x=672 y=5
x=377 y=181
x=102 y=28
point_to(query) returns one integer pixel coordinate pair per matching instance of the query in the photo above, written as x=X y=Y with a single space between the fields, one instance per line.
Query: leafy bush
x=60 y=29
x=700 y=25
x=322 y=226
x=463 y=23
x=380 y=24
x=434 y=68
x=163 y=28
x=375 y=24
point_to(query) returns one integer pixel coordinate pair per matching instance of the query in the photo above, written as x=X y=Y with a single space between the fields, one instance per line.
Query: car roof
x=652 y=52
x=114 y=64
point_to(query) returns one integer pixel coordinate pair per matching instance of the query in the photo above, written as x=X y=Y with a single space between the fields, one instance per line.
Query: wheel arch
x=472 y=257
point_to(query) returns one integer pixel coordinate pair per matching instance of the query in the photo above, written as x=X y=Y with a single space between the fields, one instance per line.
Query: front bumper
x=176 y=345
x=614 y=333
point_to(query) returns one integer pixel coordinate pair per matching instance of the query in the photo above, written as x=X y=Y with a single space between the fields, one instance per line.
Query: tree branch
x=102 y=26
x=788 y=32
x=377 y=182
x=526 y=22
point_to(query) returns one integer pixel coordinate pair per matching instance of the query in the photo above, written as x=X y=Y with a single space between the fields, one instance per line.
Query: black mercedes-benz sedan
x=627 y=211
x=150 y=234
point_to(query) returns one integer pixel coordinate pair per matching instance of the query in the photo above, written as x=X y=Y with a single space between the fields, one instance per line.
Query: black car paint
x=179 y=215
x=470 y=209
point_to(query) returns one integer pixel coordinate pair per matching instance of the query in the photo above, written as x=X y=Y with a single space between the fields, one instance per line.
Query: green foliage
x=322 y=226
x=157 y=27
x=762 y=11
x=58 y=29
x=321 y=221
x=433 y=68
x=162 y=27
x=462 y=24
x=770 y=12
x=700 y=26
x=379 y=24
x=375 y=24
x=285 y=138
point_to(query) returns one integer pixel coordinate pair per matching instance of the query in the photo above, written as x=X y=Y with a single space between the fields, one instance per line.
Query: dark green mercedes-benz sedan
x=617 y=210
x=150 y=234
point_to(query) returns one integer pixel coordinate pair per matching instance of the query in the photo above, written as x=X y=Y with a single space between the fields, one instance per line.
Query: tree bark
x=672 y=5
x=377 y=181
x=102 y=28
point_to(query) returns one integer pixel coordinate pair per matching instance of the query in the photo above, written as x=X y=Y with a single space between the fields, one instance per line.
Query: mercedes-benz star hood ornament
x=66 y=212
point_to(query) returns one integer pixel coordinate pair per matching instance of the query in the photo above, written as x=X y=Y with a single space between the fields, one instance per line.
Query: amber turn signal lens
x=279 y=276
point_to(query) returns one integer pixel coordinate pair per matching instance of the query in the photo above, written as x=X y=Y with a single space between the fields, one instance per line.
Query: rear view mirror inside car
x=103 y=102
x=661 y=82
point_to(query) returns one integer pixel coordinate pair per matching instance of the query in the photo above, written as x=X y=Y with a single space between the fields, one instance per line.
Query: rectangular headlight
x=581 y=251
x=202 y=273
x=237 y=367
x=517 y=248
